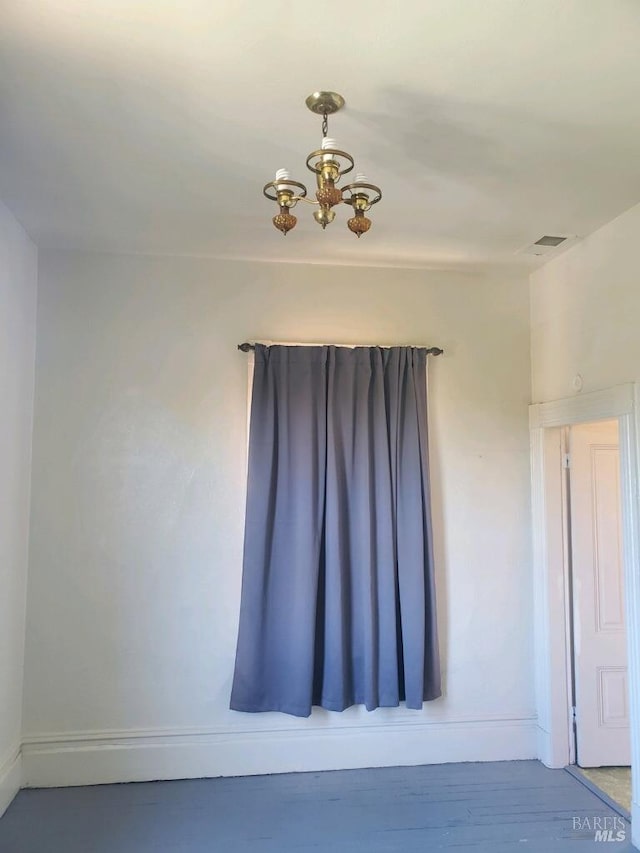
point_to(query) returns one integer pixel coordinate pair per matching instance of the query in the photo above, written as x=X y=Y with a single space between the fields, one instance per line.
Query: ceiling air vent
x=549 y=241
x=547 y=244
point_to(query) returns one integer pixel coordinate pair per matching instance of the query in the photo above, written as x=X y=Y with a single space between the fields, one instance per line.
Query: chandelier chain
x=325 y=125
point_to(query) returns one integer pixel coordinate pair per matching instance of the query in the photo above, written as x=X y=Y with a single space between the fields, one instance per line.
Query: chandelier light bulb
x=328 y=142
x=361 y=179
x=283 y=175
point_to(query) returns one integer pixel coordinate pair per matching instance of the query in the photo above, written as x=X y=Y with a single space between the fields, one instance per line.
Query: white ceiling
x=152 y=125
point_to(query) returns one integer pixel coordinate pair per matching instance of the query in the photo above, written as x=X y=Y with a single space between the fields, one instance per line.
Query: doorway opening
x=551 y=591
x=596 y=626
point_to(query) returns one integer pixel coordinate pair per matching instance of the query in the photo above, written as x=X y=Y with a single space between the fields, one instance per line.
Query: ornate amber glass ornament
x=285 y=222
x=359 y=224
x=329 y=196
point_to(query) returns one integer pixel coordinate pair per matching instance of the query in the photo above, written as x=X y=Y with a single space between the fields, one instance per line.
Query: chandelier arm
x=363 y=209
x=360 y=185
x=303 y=198
x=273 y=186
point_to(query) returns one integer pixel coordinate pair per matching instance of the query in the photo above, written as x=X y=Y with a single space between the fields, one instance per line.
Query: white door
x=600 y=651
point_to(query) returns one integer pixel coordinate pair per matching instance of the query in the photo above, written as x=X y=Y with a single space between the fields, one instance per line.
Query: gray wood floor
x=517 y=805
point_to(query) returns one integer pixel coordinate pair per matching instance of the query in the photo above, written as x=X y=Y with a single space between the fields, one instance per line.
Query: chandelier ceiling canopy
x=329 y=164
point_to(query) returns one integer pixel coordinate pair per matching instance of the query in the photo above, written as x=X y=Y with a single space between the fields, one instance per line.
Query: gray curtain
x=338 y=600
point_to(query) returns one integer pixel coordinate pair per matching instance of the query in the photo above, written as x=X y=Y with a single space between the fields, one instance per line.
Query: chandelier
x=329 y=164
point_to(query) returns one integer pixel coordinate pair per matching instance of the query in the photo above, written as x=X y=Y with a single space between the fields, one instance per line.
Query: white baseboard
x=552 y=750
x=545 y=748
x=10 y=780
x=95 y=758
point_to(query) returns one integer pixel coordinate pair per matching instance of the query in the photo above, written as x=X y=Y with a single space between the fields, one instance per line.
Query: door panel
x=600 y=653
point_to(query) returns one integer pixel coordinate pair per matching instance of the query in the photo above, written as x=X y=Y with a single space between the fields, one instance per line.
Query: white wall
x=137 y=514
x=585 y=313
x=18 y=282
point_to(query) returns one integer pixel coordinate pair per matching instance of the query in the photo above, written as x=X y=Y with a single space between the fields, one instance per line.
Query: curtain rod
x=247 y=347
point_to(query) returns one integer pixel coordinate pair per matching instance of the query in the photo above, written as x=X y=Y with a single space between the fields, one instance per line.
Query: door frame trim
x=546 y=421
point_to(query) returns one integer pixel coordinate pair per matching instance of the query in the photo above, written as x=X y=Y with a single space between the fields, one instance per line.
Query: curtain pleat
x=338 y=596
